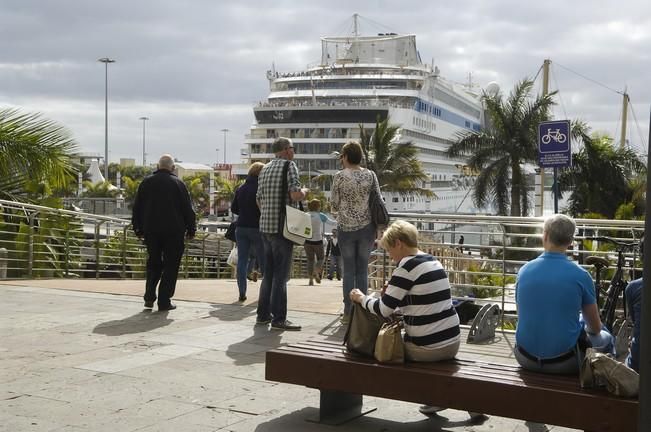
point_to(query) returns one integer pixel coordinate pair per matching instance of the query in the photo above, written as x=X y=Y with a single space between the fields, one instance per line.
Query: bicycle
x=616 y=325
x=556 y=134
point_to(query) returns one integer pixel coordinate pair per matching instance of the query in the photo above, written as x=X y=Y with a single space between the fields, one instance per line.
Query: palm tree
x=99 y=190
x=225 y=188
x=396 y=164
x=499 y=151
x=600 y=178
x=32 y=148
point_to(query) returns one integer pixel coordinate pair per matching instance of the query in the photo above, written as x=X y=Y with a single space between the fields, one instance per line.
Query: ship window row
x=456 y=103
x=356 y=84
x=347 y=133
x=422 y=123
x=425 y=137
x=301 y=148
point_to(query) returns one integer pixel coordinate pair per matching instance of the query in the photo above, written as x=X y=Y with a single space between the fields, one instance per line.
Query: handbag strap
x=284 y=194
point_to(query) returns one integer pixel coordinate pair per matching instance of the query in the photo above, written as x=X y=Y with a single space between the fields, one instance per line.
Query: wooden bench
x=494 y=389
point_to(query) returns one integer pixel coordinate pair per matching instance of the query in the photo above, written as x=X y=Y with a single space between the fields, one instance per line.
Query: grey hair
x=166 y=162
x=560 y=229
x=280 y=144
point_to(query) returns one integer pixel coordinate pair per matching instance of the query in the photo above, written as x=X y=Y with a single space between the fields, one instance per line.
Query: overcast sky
x=195 y=67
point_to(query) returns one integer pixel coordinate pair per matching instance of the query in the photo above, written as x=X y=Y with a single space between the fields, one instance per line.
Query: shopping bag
x=600 y=370
x=232 y=257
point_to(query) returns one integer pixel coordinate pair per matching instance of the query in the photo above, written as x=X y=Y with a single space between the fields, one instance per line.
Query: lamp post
x=225 y=130
x=144 y=160
x=106 y=62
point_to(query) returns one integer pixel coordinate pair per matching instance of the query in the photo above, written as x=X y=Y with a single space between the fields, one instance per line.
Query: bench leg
x=339 y=407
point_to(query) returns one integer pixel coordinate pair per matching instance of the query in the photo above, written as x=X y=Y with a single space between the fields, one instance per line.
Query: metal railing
x=42 y=242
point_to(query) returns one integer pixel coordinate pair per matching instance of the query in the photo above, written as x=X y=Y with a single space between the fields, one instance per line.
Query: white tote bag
x=298 y=225
x=232 y=257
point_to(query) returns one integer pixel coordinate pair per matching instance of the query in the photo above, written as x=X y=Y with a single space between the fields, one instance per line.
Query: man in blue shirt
x=550 y=292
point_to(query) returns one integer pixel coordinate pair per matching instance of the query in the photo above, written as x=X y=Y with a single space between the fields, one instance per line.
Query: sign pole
x=555 y=190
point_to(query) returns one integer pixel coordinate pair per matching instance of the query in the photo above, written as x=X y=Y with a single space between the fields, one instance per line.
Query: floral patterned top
x=351 y=189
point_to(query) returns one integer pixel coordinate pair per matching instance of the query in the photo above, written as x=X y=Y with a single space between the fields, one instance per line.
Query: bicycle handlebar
x=619 y=243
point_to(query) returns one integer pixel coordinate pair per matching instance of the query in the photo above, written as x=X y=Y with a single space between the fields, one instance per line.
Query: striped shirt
x=270 y=197
x=419 y=286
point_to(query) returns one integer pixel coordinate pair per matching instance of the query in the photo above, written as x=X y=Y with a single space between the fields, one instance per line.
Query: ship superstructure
x=358 y=80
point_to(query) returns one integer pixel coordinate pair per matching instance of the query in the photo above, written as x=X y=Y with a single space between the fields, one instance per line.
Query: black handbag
x=230 y=231
x=362 y=331
x=379 y=213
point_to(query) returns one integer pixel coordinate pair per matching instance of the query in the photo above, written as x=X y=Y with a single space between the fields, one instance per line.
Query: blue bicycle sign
x=554 y=149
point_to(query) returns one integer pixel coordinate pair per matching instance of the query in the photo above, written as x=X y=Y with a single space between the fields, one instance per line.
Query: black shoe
x=149 y=304
x=169 y=307
x=329 y=277
x=285 y=325
x=262 y=321
x=242 y=298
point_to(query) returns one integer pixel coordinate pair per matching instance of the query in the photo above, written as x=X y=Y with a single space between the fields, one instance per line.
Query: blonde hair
x=255 y=168
x=400 y=230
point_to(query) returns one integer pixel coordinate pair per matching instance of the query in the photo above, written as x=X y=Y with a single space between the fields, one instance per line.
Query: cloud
x=197 y=67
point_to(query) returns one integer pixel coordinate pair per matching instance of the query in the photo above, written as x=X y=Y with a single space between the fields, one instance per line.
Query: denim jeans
x=247 y=239
x=335 y=266
x=272 y=302
x=355 y=247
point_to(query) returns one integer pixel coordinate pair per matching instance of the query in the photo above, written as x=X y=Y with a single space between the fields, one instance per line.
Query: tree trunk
x=516 y=179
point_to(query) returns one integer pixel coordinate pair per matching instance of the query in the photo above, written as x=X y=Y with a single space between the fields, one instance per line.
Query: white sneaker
x=429 y=409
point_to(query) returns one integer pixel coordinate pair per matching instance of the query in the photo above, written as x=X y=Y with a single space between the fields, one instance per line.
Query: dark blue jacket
x=244 y=205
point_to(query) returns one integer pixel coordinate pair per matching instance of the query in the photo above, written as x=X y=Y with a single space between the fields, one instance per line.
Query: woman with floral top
x=351 y=189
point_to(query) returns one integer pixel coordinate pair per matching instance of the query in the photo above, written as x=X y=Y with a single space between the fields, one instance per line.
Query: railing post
x=3 y=263
x=503 y=274
x=124 y=252
x=66 y=263
x=97 y=227
x=30 y=245
x=203 y=257
x=185 y=259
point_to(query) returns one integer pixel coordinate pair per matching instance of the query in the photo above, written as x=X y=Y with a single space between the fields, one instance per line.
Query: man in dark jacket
x=163 y=216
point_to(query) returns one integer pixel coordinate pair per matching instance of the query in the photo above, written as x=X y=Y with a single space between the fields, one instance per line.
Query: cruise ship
x=359 y=79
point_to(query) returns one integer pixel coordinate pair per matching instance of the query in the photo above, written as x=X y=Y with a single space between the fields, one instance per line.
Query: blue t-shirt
x=550 y=292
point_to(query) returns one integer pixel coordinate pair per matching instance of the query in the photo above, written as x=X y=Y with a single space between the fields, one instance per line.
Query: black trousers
x=165 y=252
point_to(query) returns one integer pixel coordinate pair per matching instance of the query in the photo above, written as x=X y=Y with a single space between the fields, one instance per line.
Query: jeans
x=314 y=252
x=355 y=247
x=272 y=302
x=247 y=239
x=335 y=266
x=164 y=257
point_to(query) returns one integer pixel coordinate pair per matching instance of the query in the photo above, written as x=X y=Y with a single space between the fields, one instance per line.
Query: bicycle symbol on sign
x=556 y=135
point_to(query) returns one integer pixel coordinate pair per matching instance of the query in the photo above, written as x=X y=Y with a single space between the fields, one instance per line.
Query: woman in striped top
x=419 y=286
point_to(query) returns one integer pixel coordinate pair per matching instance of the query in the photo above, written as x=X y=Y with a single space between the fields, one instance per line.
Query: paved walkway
x=82 y=355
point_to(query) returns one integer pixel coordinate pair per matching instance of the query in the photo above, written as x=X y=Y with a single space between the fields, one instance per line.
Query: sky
x=195 y=67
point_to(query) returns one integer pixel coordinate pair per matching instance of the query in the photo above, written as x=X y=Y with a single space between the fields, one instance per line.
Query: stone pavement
x=74 y=357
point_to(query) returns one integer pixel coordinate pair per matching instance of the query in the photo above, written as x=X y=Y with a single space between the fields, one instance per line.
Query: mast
x=355 y=32
x=625 y=101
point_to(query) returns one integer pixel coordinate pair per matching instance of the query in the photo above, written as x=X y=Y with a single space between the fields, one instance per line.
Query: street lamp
x=225 y=130
x=106 y=62
x=144 y=160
